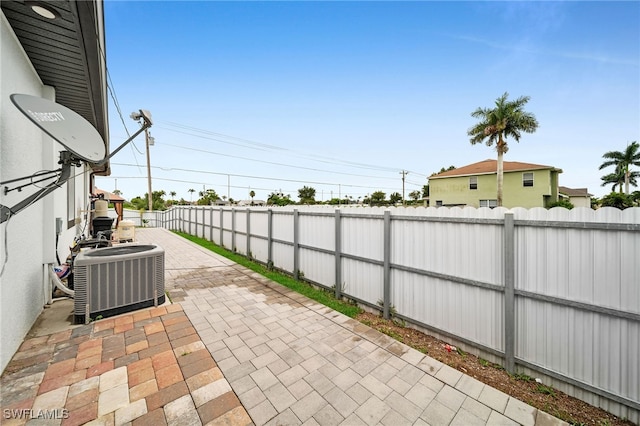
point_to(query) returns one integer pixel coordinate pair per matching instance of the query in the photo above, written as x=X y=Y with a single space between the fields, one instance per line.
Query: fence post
x=211 y=223
x=269 y=238
x=249 y=233
x=204 y=223
x=338 y=236
x=386 y=280
x=233 y=229
x=509 y=293
x=296 y=248
x=221 y=227
x=190 y=208
x=195 y=231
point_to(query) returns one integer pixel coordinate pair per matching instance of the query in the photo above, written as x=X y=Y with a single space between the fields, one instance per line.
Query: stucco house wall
x=579 y=197
x=30 y=235
x=580 y=201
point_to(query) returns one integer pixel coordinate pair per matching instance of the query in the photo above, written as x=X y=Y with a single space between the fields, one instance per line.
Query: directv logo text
x=46 y=116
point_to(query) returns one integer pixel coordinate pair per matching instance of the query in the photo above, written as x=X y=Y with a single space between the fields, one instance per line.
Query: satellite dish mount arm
x=143 y=115
x=67 y=160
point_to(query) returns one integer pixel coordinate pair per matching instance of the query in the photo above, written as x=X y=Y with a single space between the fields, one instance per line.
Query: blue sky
x=343 y=96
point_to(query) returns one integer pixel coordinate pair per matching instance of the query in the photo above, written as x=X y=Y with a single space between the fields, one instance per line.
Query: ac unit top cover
x=117 y=253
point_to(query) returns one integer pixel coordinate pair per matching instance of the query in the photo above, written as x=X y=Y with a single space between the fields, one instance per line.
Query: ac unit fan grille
x=105 y=286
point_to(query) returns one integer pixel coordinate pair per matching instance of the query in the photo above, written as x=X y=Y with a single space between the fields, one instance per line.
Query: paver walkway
x=293 y=361
x=238 y=349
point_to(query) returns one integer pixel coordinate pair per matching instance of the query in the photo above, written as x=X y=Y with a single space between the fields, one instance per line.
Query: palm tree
x=623 y=161
x=173 y=195
x=617 y=179
x=307 y=195
x=507 y=119
x=415 y=195
x=252 y=194
x=191 y=190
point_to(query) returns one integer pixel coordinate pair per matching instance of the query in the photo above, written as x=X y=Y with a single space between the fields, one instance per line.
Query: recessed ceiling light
x=42 y=10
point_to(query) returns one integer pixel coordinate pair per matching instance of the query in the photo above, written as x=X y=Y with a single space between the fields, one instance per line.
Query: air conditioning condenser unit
x=113 y=280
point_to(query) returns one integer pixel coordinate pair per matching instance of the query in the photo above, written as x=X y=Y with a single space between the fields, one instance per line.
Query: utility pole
x=403 y=173
x=149 y=141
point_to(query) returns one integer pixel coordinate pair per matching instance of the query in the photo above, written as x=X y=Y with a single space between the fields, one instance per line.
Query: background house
x=53 y=50
x=524 y=185
x=579 y=197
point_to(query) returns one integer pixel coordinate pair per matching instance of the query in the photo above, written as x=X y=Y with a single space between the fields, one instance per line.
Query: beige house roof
x=574 y=192
x=491 y=167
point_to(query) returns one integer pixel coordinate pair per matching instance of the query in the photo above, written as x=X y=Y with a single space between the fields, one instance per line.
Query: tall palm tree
x=617 y=179
x=623 y=162
x=507 y=119
x=173 y=195
x=191 y=190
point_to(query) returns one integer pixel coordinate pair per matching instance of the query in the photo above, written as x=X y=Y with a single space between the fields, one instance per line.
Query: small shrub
x=618 y=200
x=399 y=322
x=562 y=203
x=392 y=308
x=546 y=390
x=392 y=334
x=522 y=377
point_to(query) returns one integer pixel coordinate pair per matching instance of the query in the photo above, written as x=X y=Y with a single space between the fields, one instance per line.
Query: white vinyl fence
x=151 y=219
x=554 y=292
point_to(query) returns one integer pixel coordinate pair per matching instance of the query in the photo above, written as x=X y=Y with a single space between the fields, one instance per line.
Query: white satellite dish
x=67 y=127
x=81 y=140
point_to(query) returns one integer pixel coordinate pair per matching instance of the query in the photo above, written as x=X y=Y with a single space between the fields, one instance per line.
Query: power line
x=168 y=169
x=262 y=146
x=114 y=98
x=269 y=162
x=192 y=182
x=212 y=185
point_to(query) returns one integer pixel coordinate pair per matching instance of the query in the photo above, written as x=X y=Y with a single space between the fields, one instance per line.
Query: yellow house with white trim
x=524 y=185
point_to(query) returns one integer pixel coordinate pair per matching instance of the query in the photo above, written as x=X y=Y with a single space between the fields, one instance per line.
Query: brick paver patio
x=236 y=348
x=147 y=367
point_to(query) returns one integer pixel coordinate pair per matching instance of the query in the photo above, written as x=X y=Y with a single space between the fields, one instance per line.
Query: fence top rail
x=580 y=225
x=442 y=219
x=581 y=217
